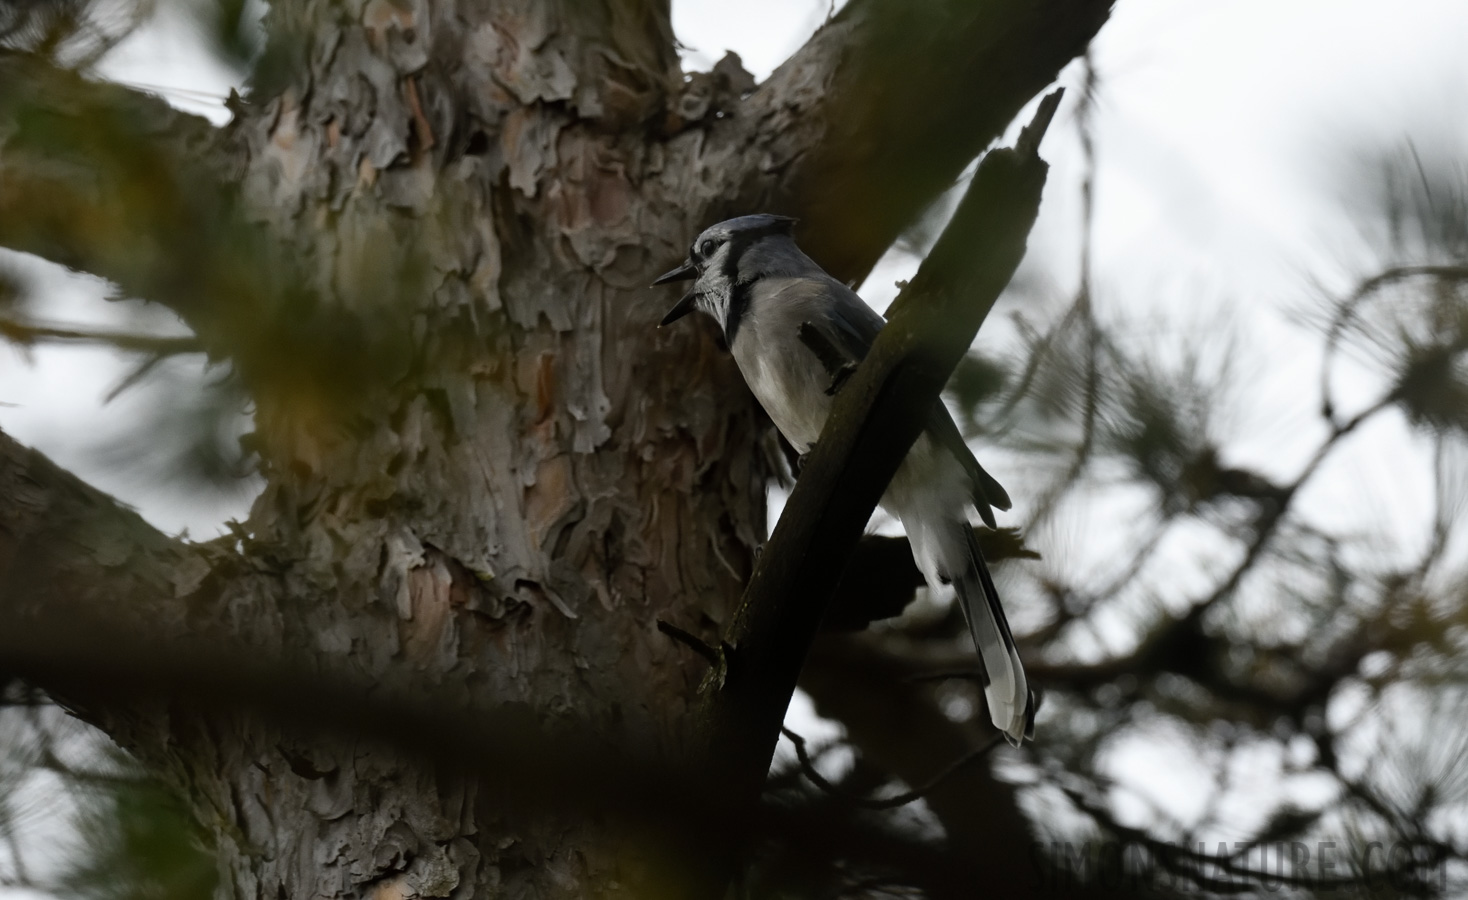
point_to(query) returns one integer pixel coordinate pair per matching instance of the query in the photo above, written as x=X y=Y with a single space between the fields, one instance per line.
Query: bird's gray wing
x=850 y=326
x=848 y=322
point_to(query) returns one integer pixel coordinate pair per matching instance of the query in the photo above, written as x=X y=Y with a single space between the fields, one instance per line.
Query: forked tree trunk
x=548 y=476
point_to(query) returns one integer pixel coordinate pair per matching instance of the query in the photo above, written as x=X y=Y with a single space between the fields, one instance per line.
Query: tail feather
x=929 y=494
x=1011 y=703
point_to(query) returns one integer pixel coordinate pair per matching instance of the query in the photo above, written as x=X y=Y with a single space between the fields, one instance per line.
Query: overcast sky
x=1223 y=131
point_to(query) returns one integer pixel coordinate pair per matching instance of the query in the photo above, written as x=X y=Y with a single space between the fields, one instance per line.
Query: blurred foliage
x=247 y=294
x=1416 y=198
x=76 y=34
x=1411 y=323
x=192 y=437
x=1157 y=422
x=71 y=33
x=1409 y=320
x=1224 y=622
x=87 y=182
x=232 y=27
x=139 y=844
x=131 y=838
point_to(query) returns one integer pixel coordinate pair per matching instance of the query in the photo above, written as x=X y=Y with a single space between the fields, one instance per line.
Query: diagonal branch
x=879 y=113
x=68 y=547
x=873 y=422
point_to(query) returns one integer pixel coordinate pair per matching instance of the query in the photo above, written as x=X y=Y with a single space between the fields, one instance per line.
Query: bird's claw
x=839 y=379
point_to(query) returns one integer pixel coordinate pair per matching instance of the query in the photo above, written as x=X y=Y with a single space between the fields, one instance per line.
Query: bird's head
x=732 y=253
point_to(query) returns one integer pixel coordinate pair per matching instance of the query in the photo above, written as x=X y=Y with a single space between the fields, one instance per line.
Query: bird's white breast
x=791 y=394
x=784 y=375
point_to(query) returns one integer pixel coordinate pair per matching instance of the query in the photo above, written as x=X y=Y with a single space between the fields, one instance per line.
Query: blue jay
x=750 y=277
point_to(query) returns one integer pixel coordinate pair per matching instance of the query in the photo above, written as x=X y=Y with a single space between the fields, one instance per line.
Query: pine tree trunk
x=546 y=476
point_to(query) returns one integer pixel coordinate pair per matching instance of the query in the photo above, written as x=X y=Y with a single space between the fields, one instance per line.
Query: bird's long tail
x=1011 y=702
x=949 y=554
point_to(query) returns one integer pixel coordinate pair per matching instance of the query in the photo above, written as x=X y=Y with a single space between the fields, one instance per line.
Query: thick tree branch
x=66 y=547
x=880 y=112
x=72 y=555
x=873 y=422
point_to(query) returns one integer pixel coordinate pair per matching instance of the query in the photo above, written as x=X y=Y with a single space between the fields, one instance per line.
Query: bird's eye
x=707 y=248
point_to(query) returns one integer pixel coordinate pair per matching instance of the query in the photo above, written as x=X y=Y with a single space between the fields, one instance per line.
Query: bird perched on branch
x=791 y=327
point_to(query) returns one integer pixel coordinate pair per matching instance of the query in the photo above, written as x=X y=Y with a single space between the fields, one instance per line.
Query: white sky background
x=1222 y=132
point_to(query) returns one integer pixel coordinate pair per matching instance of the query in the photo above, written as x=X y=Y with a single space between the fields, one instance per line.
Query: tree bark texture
x=487 y=470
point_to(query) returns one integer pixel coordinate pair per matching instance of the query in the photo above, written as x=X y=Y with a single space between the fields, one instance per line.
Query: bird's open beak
x=682 y=273
x=685 y=305
x=680 y=309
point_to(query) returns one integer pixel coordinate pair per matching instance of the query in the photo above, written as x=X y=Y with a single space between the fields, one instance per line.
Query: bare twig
x=44 y=332
x=811 y=772
x=691 y=641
